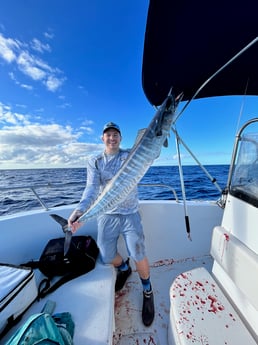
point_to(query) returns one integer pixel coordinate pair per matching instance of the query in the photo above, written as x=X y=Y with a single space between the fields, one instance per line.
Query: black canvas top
x=187 y=41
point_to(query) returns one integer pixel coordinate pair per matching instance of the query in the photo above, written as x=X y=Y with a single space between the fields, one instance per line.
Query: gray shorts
x=110 y=226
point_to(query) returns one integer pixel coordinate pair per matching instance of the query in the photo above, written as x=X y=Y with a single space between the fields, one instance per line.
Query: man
x=123 y=220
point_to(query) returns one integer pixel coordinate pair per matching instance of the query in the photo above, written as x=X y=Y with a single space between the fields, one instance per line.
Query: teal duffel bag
x=44 y=329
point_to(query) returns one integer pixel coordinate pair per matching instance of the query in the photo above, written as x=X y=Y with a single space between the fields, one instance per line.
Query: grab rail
x=160 y=185
x=51 y=185
x=33 y=189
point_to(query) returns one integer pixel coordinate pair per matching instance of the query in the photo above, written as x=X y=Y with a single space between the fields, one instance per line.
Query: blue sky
x=68 y=67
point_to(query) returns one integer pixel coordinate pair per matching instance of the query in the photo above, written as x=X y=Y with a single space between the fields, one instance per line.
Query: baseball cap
x=111 y=125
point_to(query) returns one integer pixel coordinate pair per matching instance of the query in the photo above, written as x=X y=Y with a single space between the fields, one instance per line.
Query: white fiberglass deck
x=128 y=302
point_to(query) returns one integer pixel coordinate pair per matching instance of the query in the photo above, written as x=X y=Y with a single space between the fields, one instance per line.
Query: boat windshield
x=244 y=182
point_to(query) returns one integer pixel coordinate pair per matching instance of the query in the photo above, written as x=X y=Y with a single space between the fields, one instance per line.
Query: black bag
x=81 y=258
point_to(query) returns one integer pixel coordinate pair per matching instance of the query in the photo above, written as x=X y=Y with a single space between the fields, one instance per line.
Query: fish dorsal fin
x=140 y=134
x=165 y=144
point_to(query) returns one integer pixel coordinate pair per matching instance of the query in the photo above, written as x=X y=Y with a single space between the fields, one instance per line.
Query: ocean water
x=65 y=186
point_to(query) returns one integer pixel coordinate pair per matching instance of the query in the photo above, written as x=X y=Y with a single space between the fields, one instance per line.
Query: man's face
x=111 y=139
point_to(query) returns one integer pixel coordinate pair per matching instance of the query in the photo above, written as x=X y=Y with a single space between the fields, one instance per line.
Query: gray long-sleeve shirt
x=100 y=170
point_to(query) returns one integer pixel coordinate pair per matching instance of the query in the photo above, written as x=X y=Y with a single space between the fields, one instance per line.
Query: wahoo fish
x=67 y=231
x=146 y=149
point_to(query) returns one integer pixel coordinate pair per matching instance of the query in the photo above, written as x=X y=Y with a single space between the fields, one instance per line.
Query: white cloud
x=88 y=130
x=39 y=46
x=53 y=83
x=26 y=86
x=65 y=105
x=29 y=66
x=25 y=144
x=49 y=35
x=7 y=47
x=87 y=126
x=87 y=122
x=13 y=51
x=182 y=156
x=8 y=117
x=43 y=146
x=22 y=85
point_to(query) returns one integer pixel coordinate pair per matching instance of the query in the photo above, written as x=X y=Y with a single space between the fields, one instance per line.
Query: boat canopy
x=187 y=41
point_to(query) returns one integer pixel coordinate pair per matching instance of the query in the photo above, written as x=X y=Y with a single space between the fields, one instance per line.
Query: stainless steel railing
x=50 y=185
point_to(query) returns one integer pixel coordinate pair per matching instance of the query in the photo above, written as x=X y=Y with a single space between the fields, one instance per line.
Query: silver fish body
x=145 y=150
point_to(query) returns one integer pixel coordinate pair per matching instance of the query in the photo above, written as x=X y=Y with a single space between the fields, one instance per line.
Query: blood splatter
x=226 y=236
x=213 y=308
x=184 y=276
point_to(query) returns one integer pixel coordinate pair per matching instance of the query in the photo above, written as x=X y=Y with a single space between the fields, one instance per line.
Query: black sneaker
x=148 y=308
x=122 y=277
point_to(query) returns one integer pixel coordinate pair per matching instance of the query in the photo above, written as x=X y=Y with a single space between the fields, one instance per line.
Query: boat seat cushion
x=90 y=299
x=200 y=312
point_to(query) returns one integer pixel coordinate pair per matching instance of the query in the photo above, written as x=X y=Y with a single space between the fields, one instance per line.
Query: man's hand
x=72 y=221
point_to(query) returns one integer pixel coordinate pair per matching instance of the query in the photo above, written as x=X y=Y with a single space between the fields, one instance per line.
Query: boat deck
x=169 y=252
x=128 y=302
x=129 y=328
